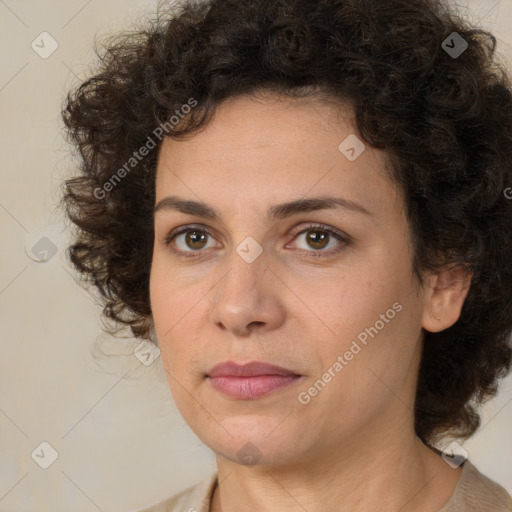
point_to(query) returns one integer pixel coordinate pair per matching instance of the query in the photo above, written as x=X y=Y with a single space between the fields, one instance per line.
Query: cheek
x=347 y=303
x=168 y=307
x=175 y=289
x=177 y=305
x=373 y=325
x=170 y=297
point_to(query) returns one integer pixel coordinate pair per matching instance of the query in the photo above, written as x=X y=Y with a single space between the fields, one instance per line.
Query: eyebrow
x=276 y=212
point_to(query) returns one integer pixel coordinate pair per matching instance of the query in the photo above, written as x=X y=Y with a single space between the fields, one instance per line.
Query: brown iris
x=195 y=237
x=316 y=238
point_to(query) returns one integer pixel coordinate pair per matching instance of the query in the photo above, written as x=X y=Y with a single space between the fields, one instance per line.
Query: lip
x=252 y=369
x=249 y=381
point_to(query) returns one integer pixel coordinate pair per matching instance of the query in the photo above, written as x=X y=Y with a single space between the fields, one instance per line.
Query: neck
x=395 y=472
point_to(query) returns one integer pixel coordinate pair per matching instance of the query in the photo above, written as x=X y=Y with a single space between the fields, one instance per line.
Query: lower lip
x=249 y=388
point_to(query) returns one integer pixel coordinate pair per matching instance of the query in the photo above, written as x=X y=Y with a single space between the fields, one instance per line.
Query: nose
x=248 y=298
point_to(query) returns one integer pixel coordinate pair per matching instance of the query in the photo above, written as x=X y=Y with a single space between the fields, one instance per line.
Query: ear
x=444 y=297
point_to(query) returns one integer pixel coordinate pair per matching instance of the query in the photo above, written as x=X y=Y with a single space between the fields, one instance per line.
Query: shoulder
x=193 y=499
x=478 y=493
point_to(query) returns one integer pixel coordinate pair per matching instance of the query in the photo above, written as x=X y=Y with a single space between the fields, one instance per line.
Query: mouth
x=250 y=381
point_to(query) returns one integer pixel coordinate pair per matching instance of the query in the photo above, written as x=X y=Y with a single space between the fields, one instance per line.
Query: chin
x=249 y=441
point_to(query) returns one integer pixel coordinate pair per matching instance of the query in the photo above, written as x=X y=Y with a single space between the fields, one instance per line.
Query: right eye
x=189 y=241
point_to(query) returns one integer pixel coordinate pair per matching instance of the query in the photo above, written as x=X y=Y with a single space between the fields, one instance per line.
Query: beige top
x=474 y=493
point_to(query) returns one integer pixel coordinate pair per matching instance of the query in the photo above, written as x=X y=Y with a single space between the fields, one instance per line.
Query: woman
x=303 y=204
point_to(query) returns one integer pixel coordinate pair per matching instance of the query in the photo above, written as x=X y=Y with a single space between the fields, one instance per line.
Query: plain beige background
x=118 y=440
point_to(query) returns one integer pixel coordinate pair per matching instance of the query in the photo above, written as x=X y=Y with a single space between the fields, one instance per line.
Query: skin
x=353 y=446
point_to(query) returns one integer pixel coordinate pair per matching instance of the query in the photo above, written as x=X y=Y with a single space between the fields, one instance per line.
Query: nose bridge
x=246 y=295
x=244 y=278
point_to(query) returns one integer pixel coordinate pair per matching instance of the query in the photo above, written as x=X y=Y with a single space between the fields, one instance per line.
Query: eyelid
x=188 y=227
x=321 y=227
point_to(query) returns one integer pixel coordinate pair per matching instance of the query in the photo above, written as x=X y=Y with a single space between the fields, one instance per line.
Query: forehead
x=266 y=150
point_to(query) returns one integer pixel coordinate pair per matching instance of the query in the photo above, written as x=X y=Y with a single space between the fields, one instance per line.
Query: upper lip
x=252 y=369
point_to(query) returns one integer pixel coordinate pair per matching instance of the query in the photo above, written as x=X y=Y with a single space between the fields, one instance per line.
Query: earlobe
x=444 y=298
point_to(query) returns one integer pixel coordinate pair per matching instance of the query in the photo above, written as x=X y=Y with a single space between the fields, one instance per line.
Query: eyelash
x=346 y=241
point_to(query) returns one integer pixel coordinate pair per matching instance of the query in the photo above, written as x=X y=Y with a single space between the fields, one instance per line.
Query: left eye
x=319 y=238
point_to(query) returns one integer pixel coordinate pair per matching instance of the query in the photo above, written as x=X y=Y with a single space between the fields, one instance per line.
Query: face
x=322 y=290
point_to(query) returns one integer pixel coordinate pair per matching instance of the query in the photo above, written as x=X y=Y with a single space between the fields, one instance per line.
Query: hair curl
x=445 y=122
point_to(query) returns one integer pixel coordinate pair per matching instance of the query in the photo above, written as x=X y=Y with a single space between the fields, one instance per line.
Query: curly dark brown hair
x=442 y=112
